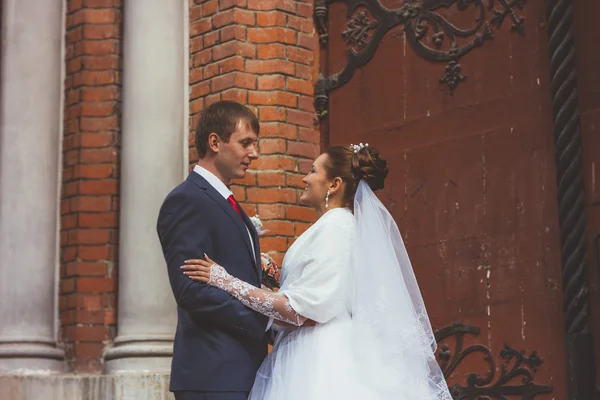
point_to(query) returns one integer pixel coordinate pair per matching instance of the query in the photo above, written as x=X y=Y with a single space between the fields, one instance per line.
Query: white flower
x=258 y=224
x=358 y=147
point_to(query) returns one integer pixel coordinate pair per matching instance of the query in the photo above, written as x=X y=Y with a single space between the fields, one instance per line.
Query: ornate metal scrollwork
x=320 y=17
x=369 y=21
x=357 y=30
x=508 y=10
x=516 y=371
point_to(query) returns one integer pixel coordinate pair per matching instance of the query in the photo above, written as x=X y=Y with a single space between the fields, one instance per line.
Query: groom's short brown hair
x=223 y=118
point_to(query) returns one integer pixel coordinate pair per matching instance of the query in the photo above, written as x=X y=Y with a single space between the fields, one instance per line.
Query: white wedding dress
x=315 y=362
x=351 y=274
x=372 y=340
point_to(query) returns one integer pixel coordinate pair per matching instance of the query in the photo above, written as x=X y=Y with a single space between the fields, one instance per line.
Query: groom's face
x=234 y=157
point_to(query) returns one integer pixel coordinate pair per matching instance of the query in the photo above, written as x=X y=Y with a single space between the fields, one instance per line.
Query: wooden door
x=458 y=100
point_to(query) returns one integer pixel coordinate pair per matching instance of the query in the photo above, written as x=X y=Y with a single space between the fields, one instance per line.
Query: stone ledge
x=85 y=387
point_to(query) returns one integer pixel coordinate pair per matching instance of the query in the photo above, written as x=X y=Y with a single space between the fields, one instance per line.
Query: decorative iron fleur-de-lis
x=508 y=10
x=357 y=30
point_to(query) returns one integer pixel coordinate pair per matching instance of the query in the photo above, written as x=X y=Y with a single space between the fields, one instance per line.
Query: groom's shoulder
x=186 y=191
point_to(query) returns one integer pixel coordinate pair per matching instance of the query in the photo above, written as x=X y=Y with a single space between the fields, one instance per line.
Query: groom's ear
x=213 y=142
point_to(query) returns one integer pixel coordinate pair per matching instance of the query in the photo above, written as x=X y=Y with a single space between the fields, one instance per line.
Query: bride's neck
x=332 y=205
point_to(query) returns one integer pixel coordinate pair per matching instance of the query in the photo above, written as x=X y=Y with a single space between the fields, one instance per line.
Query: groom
x=219 y=342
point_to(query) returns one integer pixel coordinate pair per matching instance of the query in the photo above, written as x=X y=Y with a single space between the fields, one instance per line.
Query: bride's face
x=316 y=183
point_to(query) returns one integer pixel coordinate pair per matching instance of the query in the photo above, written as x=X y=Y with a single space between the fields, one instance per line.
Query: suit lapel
x=255 y=239
x=224 y=204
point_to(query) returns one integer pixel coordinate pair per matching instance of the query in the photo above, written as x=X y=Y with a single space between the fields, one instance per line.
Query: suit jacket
x=219 y=342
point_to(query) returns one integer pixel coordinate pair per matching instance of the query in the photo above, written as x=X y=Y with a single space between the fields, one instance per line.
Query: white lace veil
x=391 y=329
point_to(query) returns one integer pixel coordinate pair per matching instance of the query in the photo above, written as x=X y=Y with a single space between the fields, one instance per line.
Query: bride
x=350 y=273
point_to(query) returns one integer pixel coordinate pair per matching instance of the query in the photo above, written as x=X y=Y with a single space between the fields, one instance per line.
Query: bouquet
x=271 y=271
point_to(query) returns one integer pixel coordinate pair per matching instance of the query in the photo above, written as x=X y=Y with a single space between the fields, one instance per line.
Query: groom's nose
x=253 y=152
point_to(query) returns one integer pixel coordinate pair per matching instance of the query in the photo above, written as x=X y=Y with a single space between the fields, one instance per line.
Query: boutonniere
x=258 y=225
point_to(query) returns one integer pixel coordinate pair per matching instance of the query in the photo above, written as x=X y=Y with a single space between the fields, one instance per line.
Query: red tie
x=235 y=205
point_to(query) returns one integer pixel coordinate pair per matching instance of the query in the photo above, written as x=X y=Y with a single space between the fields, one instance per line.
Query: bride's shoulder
x=339 y=218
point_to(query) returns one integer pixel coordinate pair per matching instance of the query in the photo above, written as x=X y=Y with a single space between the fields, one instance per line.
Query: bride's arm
x=263 y=301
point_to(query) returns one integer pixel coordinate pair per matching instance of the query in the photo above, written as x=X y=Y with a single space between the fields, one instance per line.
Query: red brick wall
x=90 y=198
x=262 y=53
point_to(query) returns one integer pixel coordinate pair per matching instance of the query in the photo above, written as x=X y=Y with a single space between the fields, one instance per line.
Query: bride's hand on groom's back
x=309 y=322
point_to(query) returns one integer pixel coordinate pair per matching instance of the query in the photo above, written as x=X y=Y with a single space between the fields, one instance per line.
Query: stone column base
x=85 y=387
x=27 y=357
x=140 y=355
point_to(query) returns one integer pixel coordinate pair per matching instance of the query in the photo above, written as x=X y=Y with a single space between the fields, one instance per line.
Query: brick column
x=90 y=192
x=262 y=53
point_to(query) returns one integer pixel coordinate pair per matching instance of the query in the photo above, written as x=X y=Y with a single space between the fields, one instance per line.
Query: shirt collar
x=213 y=181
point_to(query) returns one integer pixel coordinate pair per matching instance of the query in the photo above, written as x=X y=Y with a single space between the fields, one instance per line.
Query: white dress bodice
x=317 y=267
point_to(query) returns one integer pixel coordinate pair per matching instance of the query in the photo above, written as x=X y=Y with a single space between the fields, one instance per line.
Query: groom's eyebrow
x=247 y=140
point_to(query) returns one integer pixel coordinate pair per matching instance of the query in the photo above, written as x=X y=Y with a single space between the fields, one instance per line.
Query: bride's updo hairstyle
x=353 y=163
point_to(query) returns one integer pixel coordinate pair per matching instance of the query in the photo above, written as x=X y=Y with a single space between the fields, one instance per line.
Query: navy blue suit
x=219 y=342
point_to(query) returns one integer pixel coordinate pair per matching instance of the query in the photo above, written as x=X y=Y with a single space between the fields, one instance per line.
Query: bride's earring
x=327 y=199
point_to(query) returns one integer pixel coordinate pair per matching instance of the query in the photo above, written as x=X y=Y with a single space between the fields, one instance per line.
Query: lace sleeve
x=263 y=301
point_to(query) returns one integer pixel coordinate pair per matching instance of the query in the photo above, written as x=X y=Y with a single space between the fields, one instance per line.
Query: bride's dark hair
x=351 y=167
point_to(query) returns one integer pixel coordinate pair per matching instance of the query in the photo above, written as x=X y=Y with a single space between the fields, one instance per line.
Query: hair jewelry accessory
x=358 y=147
